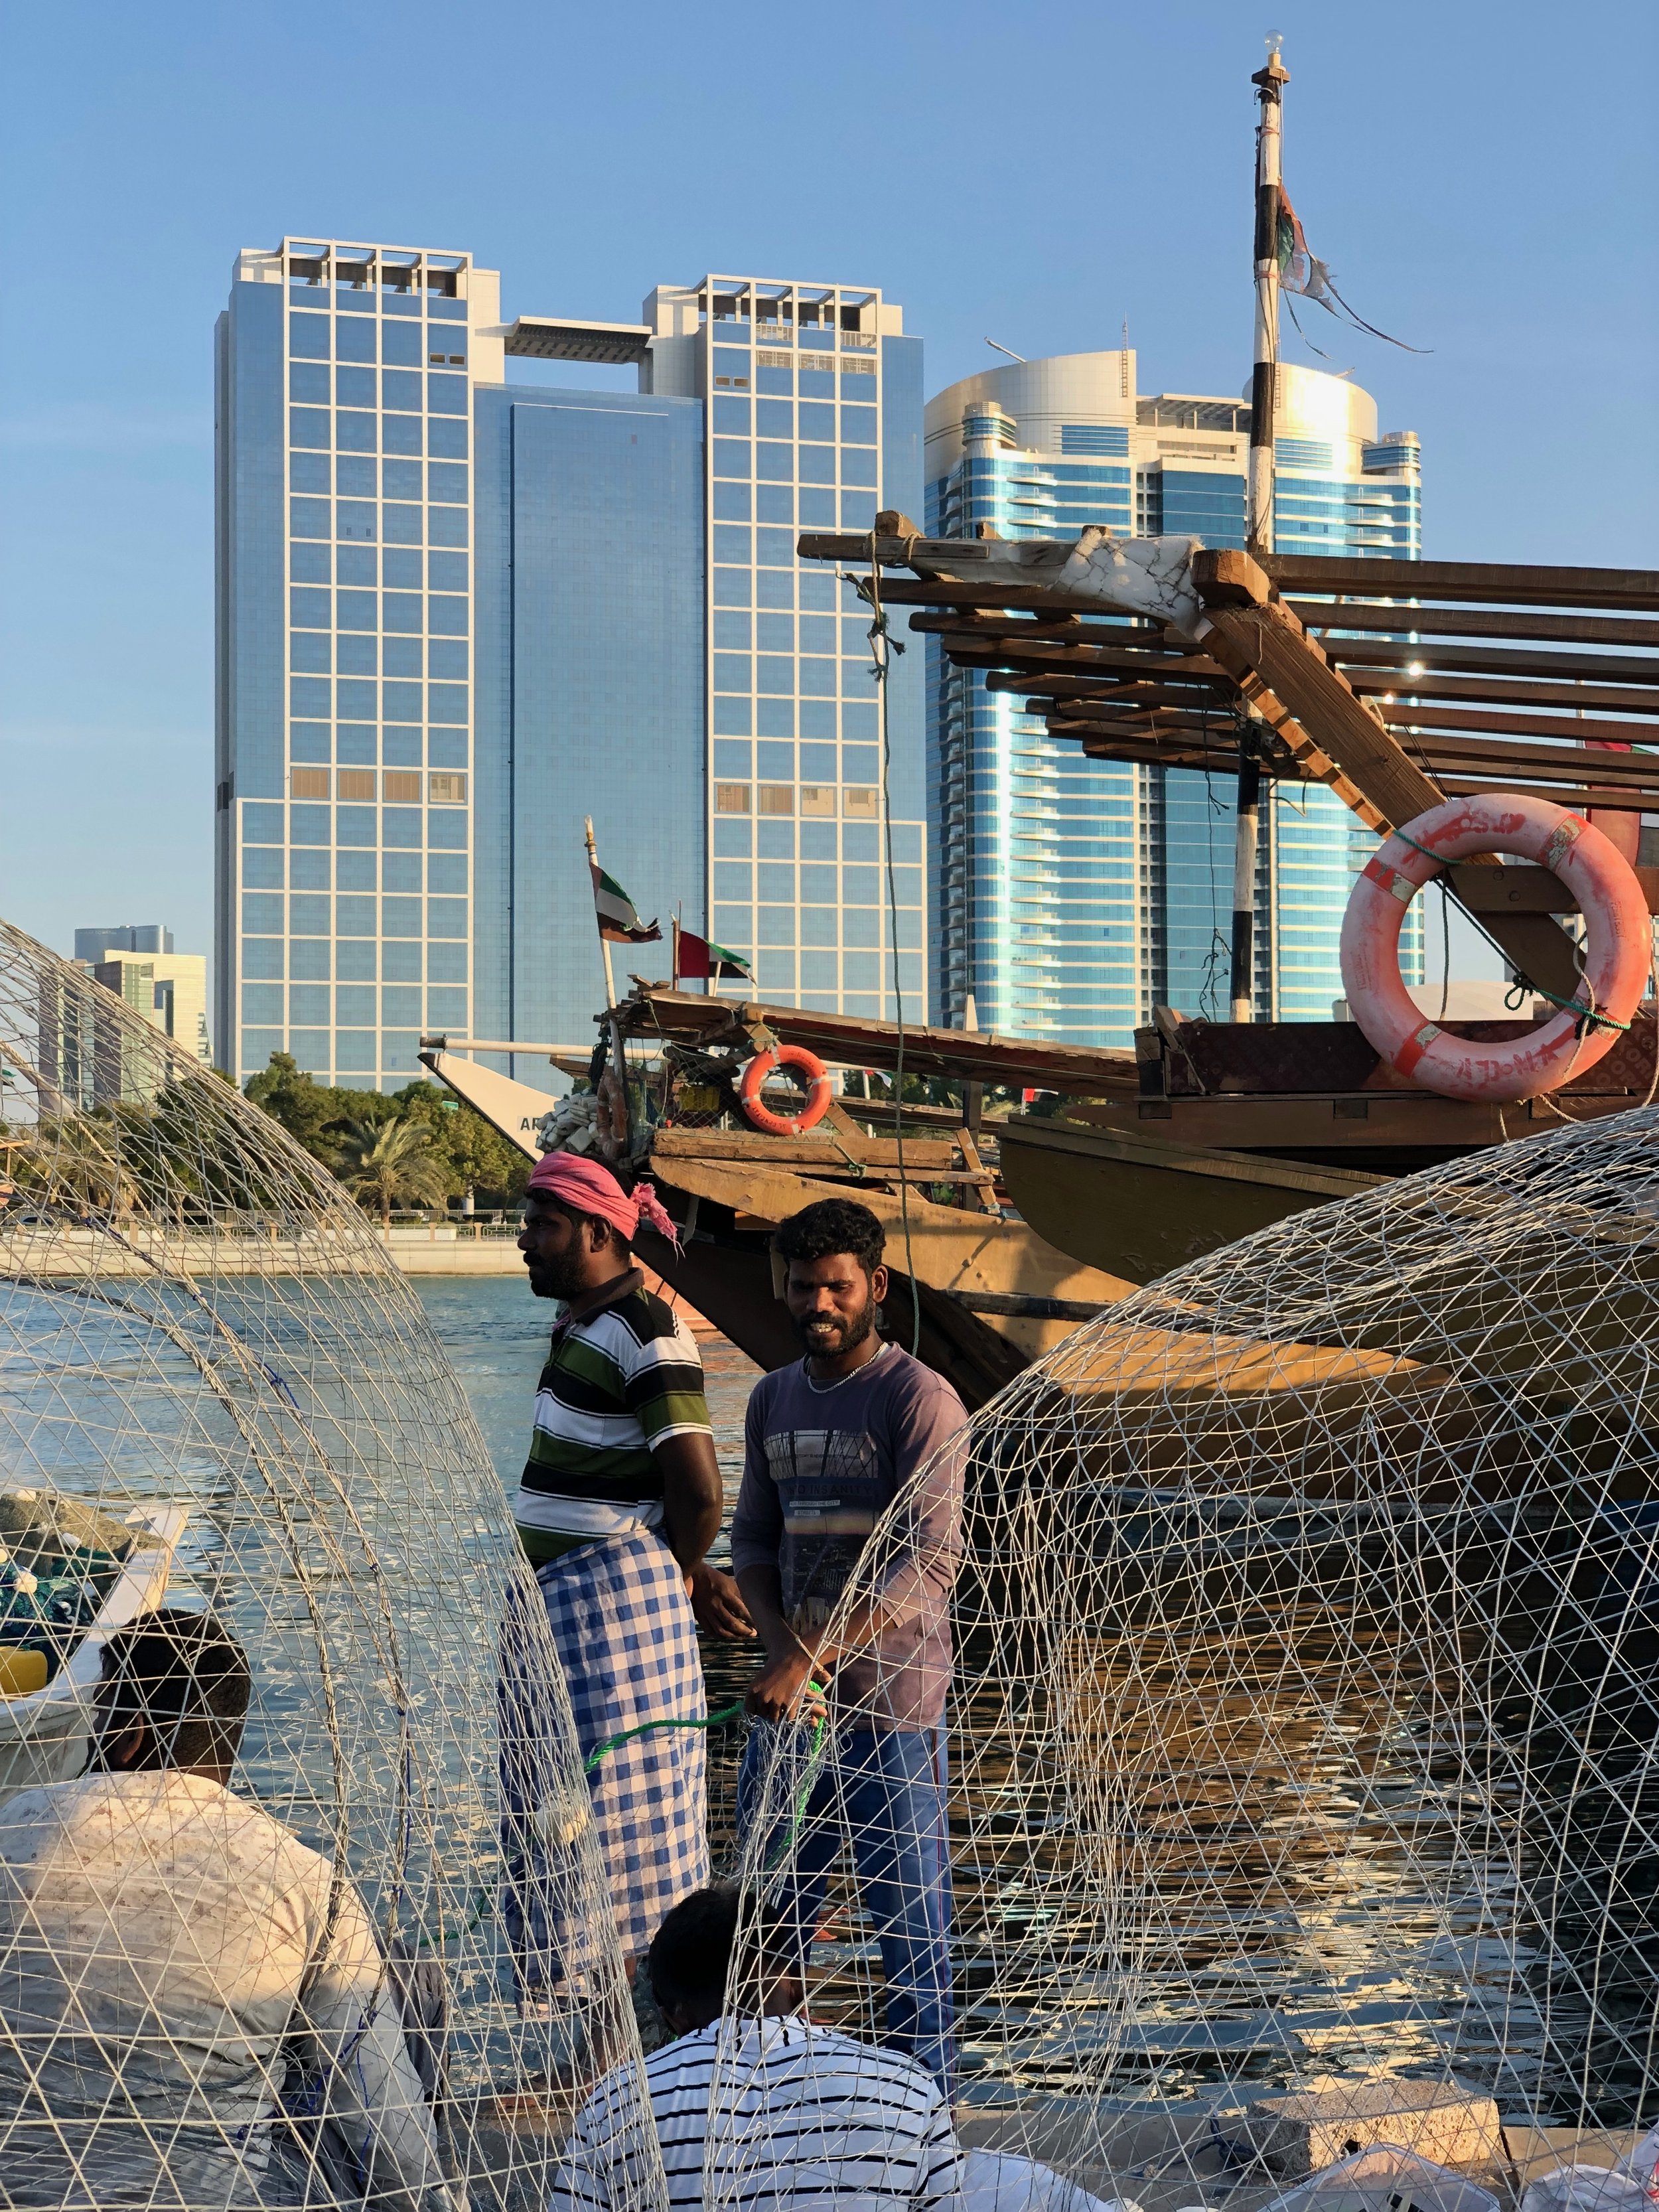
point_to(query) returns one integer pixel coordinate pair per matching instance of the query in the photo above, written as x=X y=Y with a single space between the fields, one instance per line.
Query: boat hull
x=1133 y=1206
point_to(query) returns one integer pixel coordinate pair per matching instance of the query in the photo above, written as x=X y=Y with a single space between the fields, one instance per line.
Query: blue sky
x=1480 y=175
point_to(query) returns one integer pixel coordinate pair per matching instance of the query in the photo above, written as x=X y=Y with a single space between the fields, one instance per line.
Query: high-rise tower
x=1069 y=894
x=459 y=609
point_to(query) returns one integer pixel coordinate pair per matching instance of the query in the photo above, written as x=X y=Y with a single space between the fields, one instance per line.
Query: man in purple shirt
x=830 y=1443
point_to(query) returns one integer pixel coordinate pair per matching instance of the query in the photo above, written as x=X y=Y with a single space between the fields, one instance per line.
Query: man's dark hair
x=186 y=1678
x=833 y=1224
x=691 y=1952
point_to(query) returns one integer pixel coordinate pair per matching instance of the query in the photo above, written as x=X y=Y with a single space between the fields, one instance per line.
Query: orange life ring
x=1618 y=946
x=817 y=1089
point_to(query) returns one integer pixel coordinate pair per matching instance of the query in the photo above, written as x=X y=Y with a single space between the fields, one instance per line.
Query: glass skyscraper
x=1069 y=894
x=814 y=399
x=456 y=613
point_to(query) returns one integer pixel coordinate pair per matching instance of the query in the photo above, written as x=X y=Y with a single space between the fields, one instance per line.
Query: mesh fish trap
x=1303 y=1793
x=376 y=1959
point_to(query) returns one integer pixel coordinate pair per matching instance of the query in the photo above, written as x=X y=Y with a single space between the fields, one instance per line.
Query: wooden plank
x=1611 y=802
x=1531 y=891
x=949 y=592
x=1067 y=628
x=844 y=1040
x=1038 y=685
x=1497 y=582
x=1110 y=659
x=1322 y=616
x=1373 y=682
x=1425 y=715
x=1272 y=667
x=1494 y=660
x=1099 y=746
x=1575 y=761
x=827 y=1154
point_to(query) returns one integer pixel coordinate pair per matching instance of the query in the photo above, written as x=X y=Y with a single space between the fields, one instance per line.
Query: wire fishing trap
x=382 y=1965
x=1304 y=1787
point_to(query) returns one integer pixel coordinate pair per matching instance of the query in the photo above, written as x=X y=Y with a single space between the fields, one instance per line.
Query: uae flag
x=697 y=956
x=614 y=911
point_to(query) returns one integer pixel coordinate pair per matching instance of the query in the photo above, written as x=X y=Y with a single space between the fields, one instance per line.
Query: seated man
x=798 y=2114
x=802 y=2118
x=167 y=1949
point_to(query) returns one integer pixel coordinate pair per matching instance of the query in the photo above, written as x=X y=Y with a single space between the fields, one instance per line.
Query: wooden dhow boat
x=1399 y=685
x=994 y=1293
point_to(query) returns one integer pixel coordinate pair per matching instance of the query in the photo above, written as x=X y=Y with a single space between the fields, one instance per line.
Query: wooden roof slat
x=1424 y=715
x=1497 y=660
x=1578 y=802
x=1580 y=762
x=949 y=592
x=1322 y=616
x=1066 y=630
x=1040 y=653
x=1500 y=583
x=1126 y=738
x=1373 y=682
x=1313 y=707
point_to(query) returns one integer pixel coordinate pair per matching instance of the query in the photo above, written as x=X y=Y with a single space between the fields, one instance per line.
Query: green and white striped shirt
x=621 y=1379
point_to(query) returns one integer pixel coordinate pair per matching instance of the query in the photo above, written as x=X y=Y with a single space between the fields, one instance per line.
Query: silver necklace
x=823 y=1389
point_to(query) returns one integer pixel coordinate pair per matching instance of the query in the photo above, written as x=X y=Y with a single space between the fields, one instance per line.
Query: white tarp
x=1149 y=576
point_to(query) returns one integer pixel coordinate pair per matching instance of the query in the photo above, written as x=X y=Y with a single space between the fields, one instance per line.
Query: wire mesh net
x=1303 y=1784
x=373 y=1959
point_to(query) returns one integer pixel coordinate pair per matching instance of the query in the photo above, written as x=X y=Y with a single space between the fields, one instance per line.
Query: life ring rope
x=1617 y=954
x=818 y=1091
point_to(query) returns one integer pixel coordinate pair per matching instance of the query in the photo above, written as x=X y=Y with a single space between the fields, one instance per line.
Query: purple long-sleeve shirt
x=821 y=1463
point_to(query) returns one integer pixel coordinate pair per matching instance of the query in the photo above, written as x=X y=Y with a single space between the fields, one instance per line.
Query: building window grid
x=446 y=788
x=727 y=799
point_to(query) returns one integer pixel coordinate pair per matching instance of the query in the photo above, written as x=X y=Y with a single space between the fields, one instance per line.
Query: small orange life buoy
x=817 y=1089
x=1618 y=946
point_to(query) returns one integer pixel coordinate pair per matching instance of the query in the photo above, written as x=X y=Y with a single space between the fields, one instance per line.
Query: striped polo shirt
x=622 y=1377
x=770 y=2116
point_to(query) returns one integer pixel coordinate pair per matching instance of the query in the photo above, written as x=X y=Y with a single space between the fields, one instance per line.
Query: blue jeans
x=884 y=1792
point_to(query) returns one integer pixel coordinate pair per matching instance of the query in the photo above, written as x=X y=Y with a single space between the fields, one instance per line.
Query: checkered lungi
x=624 y=1630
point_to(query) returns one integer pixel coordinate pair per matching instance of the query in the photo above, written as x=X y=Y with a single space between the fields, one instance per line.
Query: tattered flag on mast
x=696 y=956
x=614 y=910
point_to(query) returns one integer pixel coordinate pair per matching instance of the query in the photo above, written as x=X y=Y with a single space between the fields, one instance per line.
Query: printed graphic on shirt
x=831 y=1488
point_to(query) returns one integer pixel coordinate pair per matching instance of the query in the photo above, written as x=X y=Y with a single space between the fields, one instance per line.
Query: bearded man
x=829 y=1444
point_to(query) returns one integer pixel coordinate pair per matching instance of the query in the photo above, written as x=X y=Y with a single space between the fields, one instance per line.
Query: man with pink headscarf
x=618 y=1502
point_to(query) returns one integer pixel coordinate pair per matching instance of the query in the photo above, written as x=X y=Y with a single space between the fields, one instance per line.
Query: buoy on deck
x=804 y=1063
x=1618 y=947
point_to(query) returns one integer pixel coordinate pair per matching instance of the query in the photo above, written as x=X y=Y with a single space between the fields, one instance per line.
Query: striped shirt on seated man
x=619 y=1500
x=778 y=2113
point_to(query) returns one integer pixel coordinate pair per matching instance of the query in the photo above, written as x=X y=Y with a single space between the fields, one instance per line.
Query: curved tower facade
x=1069 y=895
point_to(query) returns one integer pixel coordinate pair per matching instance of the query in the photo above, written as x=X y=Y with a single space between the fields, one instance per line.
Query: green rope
x=1439 y=859
x=718 y=1720
x=1567 y=1006
x=648 y=1727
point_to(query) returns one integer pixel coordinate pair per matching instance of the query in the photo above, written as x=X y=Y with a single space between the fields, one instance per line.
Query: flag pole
x=674 y=971
x=1264 y=378
x=1264 y=395
x=605 y=942
x=618 y=1056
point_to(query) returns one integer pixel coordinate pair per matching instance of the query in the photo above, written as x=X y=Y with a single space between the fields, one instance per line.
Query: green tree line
x=414 y=1147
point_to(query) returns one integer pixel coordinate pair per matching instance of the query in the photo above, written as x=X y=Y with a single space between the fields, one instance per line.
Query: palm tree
x=389 y=1164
